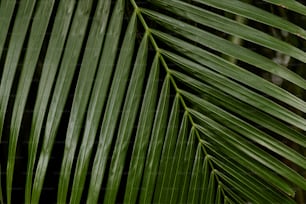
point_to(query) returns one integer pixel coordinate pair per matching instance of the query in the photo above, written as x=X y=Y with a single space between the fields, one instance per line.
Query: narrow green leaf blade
x=98 y=95
x=64 y=80
x=114 y=103
x=189 y=157
x=205 y=180
x=49 y=70
x=224 y=46
x=247 y=130
x=229 y=26
x=168 y=150
x=81 y=99
x=240 y=92
x=143 y=136
x=237 y=144
x=292 y=5
x=6 y=13
x=130 y=109
x=178 y=167
x=154 y=150
x=256 y=14
x=245 y=110
x=37 y=34
x=232 y=196
x=260 y=170
x=196 y=176
x=211 y=188
x=19 y=32
x=244 y=177
x=233 y=71
x=218 y=194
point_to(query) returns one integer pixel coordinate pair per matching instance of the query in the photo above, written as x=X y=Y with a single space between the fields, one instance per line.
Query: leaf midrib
x=177 y=90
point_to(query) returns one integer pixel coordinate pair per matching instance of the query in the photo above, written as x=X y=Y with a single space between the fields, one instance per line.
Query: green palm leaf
x=157 y=101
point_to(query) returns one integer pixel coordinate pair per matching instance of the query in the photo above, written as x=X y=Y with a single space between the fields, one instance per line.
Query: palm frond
x=142 y=102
